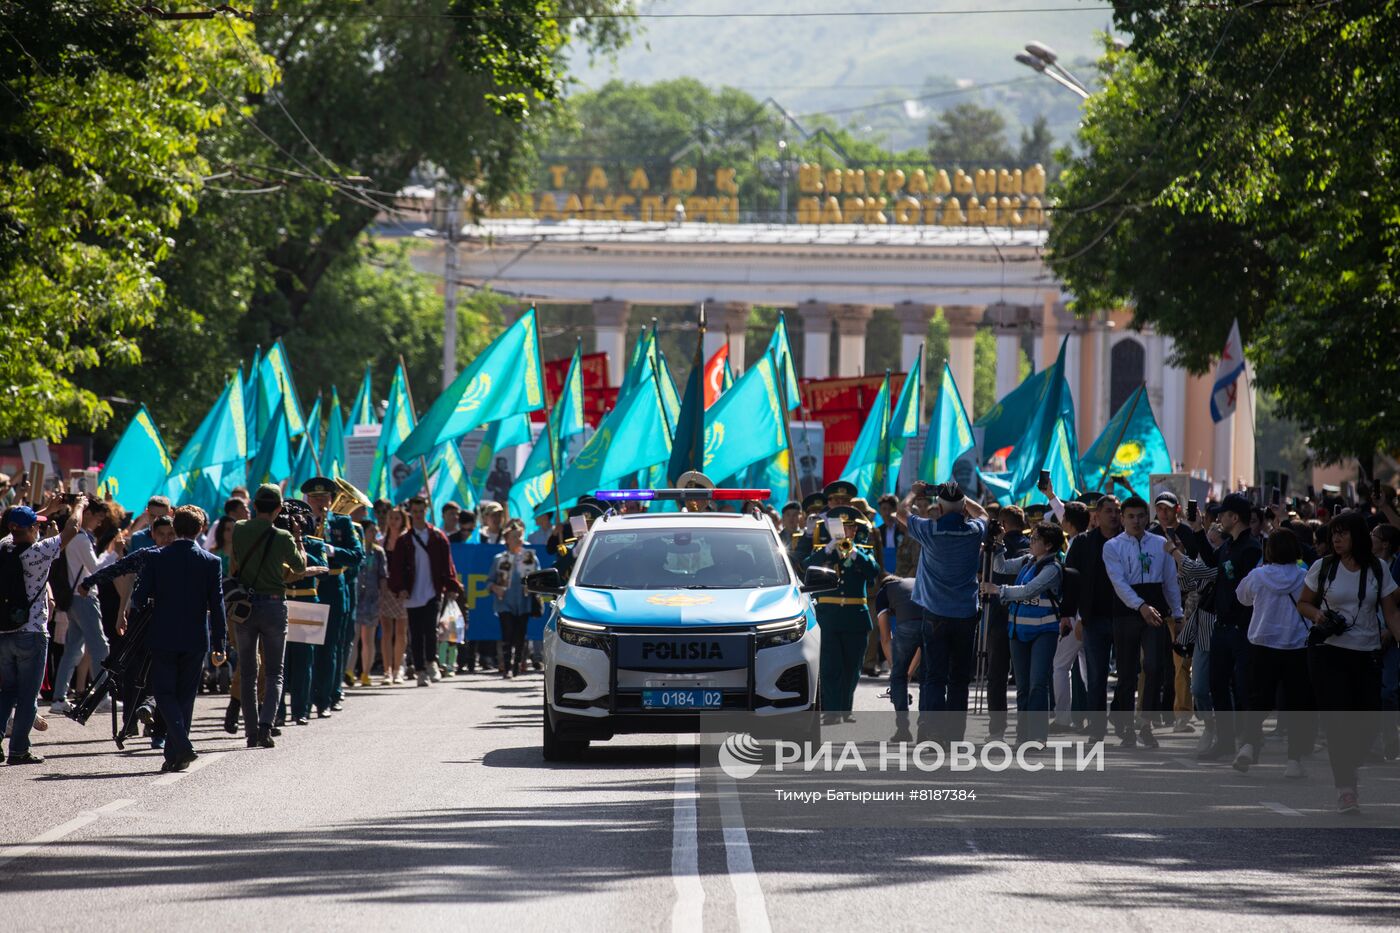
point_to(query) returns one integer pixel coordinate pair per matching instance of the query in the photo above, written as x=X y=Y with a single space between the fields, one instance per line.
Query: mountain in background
x=886 y=77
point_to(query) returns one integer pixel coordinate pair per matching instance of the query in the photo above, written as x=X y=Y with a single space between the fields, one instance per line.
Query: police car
x=668 y=616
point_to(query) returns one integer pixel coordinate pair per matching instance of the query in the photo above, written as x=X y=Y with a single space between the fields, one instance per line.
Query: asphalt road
x=424 y=808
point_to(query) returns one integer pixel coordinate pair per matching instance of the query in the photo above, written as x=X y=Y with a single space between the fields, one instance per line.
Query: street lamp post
x=1040 y=57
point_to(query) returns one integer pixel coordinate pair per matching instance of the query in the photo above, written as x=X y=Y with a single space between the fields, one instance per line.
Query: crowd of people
x=1209 y=617
x=1216 y=615
x=189 y=606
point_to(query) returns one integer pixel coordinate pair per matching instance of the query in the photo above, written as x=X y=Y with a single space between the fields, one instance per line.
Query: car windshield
x=682 y=558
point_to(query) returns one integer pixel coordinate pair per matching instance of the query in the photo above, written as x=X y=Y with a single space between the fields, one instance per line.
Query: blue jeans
x=1200 y=680
x=1033 y=661
x=905 y=640
x=1098 y=642
x=84 y=629
x=22 y=659
x=949 y=657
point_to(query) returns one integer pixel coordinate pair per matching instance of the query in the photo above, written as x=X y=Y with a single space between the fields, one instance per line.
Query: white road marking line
x=62 y=829
x=738 y=857
x=1279 y=808
x=687 y=916
x=202 y=762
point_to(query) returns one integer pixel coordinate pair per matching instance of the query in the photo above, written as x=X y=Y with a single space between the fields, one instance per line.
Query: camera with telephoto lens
x=1333 y=624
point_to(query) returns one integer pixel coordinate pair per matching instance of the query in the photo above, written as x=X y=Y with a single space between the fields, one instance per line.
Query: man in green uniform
x=844 y=615
x=343 y=552
x=302 y=657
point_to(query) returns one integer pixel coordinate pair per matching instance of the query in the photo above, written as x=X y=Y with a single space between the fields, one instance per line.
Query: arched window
x=1126 y=371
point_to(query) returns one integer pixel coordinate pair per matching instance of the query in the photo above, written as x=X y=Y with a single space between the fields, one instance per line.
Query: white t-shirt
x=1364 y=634
x=82 y=558
x=36 y=561
x=422 y=592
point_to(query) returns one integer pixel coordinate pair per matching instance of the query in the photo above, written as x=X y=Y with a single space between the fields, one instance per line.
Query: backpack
x=1068 y=604
x=15 y=601
x=59 y=582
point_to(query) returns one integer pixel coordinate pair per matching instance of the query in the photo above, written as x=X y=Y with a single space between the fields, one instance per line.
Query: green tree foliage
x=422 y=91
x=969 y=135
x=1236 y=164
x=100 y=128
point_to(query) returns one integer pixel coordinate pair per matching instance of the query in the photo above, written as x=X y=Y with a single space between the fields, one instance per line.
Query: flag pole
x=548 y=417
x=422 y=458
x=794 y=481
x=656 y=384
x=1137 y=393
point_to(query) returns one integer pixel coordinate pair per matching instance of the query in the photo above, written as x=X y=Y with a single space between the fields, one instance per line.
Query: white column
x=816 y=339
x=1222 y=463
x=1008 y=361
x=1243 y=453
x=913 y=333
x=851 y=323
x=962 y=349
x=727 y=320
x=1171 y=415
x=610 y=336
x=1153 y=368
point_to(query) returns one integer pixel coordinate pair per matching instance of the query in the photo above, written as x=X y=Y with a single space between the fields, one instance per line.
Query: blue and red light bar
x=682 y=495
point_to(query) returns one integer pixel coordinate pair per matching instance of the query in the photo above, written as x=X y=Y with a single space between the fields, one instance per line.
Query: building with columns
x=832 y=278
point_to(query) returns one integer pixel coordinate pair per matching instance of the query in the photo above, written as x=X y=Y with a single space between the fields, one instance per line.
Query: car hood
x=681 y=607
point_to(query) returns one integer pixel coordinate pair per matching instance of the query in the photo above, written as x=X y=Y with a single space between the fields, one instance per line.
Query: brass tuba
x=347 y=500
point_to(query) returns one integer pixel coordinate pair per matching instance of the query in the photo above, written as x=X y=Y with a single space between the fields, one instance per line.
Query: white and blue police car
x=669 y=616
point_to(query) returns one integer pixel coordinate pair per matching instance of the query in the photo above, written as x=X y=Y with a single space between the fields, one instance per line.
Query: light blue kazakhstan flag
x=362 y=412
x=534 y=487
x=1048 y=442
x=506 y=379
x=137 y=466
x=1131 y=445
x=863 y=466
x=633 y=436
x=780 y=346
x=949 y=433
x=333 y=459
x=398 y=424
x=904 y=424
x=449 y=480
x=273 y=462
x=1008 y=419
x=212 y=462
x=305 y=467
x=313 y=426
x=746 y=424
x=508 y=432
x=275 y=387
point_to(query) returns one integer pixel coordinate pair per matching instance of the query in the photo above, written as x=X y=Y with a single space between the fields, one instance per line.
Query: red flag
x=714 y=375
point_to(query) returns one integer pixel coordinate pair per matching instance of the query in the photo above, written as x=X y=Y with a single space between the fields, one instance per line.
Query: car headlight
x=583 y=634
x=785 y=632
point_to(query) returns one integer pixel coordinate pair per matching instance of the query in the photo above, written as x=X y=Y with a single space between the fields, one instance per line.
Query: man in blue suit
x=185 y=582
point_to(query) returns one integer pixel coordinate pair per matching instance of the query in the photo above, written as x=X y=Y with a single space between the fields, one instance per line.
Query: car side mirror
x=547 y=582
x=819 y=580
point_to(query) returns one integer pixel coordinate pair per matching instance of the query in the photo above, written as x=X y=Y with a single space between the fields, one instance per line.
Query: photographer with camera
x=946 y=587
x=1349 y=597
x=264 y=557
